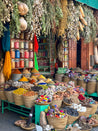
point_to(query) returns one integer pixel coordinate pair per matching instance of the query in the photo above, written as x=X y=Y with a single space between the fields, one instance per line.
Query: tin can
x=16 y=44
x=17 y=63
x=26 y=45
x=21 y=44
x=17 y=54
x=12 y=44
x=26 y=54
x=30 y=63
x=13 y=64
x=31 y=54
x=13 y=53
x=31 y=46
x=21 y=53
x=22 y=63
x=26 y=63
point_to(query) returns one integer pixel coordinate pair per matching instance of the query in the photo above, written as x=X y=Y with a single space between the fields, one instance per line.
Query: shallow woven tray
x=28 y=128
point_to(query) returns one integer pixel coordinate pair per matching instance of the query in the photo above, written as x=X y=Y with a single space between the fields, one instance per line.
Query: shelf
x=23 y=68
x=43 y=67
x=45 y=73
x=43 y=44
x=42 y=50
x=42 y=57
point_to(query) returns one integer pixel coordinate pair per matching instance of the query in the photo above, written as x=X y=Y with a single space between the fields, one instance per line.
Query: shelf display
x=22 y=54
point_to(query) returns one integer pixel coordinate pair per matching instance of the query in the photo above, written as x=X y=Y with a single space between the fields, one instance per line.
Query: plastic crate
x=38 y=109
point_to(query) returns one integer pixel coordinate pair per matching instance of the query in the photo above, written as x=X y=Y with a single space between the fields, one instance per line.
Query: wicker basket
x=56 y=102
x=97 y=86
x=88 y=111
x=29 y=100
x=81 y=113
x=57 y=123
x=71 y=119
x=18 y=99
x=81 y=83
x=91 y=86
x=2 y=95
x=59 y=77
x=94 y=108
x=87 y=129
x=65 y=79
x=9 y=96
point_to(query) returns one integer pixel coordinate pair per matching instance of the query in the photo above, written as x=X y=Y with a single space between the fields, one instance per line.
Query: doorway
x=79 y=53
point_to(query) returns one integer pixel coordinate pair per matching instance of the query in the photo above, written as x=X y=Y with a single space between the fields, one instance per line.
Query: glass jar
x=13 y=64
x=22 y=63
x=17 y=54
x=31 y=63
x=16 y=44
x=13 y=53
x=26 y=63
x=21 y=53
x=31 y=54
x=31 y=46
x=26 y=54
x=26 y=45
x=21 y=44
x=12 y=44
x=17 y=65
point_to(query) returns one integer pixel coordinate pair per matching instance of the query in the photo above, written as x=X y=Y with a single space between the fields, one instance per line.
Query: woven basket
x=29 y=100
x=2 y=95
x=65 y=79
x=66 y=104
x=57 y=123
x=87 y=129
x=88 y=111
x=56 y=102
x=18 y=99
x=91 y=86
x=74 y=80
x=94 y=108
x=59 y=77
x=81 y=83
x=9 y=96
x=81 y=113
x=71 y=119
x=97 y=86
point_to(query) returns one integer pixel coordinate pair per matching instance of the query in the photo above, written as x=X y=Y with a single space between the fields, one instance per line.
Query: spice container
x=17 y=54
x=13 y=53
x=26 y=45
x=21 y=44
x=31 y=54
x=26 y=63
x=31 y=46
x=22 y=36
x=31 y=63
x=16 y=44
x=12 y=44
x=26 y=54
x=13 y=64
x=22 y=63
x=21 y=53
x=17 y=63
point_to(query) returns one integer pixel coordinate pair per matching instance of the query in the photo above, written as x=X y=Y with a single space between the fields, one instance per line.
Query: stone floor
x=8 y=118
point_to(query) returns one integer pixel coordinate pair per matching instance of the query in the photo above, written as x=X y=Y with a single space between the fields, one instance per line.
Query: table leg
x=2 y=107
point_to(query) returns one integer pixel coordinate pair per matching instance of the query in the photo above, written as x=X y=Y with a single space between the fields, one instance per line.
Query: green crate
x=38 y=109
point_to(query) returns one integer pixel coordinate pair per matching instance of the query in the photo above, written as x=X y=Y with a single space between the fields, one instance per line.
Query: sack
x=2 y=78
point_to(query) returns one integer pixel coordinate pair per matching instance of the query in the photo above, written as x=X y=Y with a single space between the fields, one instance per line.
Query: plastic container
x=21 y=45
x=22 y=63
x=26 y=63
x=13 y=64
x=31 y=54
x=31 y=46
x=12 y=53
x=17 y=65
x=12 y=44
x=25 y=45
x=16 y=44
x=17 y=54
x=30 y=63
x=21 y=53
x=26 y=54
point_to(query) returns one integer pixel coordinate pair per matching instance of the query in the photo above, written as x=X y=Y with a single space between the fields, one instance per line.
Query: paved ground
x=7 y=121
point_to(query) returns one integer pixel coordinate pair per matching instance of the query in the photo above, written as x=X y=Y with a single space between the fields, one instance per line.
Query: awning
x=91 y=3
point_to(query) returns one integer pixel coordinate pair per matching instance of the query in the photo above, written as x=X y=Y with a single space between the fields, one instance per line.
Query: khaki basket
x=81 y=83
x=56 y=102
x=65 y=79
x=97 y=86
x=2 y=95
x=57 y=123
x=29 y=100
x=71 y=119
x=94 y=108
x=18 y=99
x=81 y=113
x=91 y=86
x=9 y=96
x=59 y=77
x=88 y=111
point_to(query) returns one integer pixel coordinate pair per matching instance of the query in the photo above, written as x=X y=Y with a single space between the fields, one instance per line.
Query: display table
x=93 y=94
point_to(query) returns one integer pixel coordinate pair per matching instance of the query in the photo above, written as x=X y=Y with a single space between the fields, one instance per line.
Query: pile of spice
x=43 y=99
x=26 y=71
x=11 y=88
x=55 y=112
x=32 y=81
x=34 y=71
x=67 y=100
x=23 y=79
x=41 y=77
x=20 y=91
x=30 y=93
x=36 y=88
x=16 y=71
x=27 y=86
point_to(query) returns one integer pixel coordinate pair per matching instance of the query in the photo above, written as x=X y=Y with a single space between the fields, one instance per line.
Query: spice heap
x=43 y=99
x=55 y=112
x=20 y=91
x=30 y=93
x=36 y=88
x=10 y=88
x=16 y=71
x=32 y=81
x=23 y=79
x=26 y=72
x=41 y=77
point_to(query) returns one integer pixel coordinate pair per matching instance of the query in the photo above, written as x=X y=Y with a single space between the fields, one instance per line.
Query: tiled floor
x=7 y=121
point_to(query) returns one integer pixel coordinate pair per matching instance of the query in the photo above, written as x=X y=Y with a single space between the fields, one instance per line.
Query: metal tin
x=21 y=44
x=30 y=63
x=31 y=54
x=16 y=44
x=26 y=45
x=17 y=63
x=13 y=64
x=21 y=53
x=31 y=46
x=12 y=44
x=13 y=53
x=26 y=54
x=26 y=63
x=17 y=54
x=22 y=63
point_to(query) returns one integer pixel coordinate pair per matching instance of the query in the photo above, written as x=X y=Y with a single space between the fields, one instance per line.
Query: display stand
x=93 y=94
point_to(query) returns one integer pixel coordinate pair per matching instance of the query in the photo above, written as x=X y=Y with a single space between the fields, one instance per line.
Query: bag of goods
x=57 y=118
x=26 y=73
x=9 y=93
x=43 y=100
x=23 y=79
x=16 y=75
x=2 y=78
x=2 y=93
x=18 y=96
x=29 y=98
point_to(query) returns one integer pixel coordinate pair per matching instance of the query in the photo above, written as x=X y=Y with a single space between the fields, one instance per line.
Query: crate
x=38 y=109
